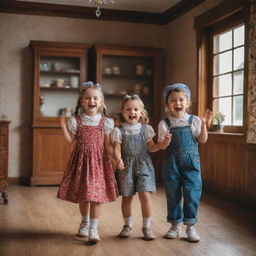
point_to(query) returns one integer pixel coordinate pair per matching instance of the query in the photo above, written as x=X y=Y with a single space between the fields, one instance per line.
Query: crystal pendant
x=98 y=12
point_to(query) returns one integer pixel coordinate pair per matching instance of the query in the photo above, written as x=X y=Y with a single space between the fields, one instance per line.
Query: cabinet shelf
x=130 y=77
x=54 y=88
x=54 y=72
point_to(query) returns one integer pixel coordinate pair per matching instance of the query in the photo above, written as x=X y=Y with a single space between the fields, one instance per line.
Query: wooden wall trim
x=179 y=9
x=25 y=181
x=219 y=13
x=230 y=195
x=9 y=6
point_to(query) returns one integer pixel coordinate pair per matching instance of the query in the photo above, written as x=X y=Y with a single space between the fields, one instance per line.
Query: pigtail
x=78 y=106
x=104 y=110
x=144 y=117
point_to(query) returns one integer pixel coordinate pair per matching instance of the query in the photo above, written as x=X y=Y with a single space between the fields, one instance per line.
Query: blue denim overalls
x=139 y=174
x=181 y=173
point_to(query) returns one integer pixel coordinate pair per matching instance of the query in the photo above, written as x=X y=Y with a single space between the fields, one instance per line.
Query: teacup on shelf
x=116 y=70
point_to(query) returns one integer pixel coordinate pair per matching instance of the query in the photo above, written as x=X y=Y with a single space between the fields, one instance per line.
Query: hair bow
x=91 y=84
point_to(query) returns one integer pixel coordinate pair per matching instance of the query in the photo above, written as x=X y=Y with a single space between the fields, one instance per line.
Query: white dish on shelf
x=45 y=85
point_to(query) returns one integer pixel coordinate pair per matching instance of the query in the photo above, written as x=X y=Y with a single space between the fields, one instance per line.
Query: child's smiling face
x=132 y=111
x=177 y=104
x=91 y=101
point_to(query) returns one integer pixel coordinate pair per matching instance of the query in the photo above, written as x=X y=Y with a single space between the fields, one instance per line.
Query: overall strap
x=168 y=122
x=102 y=121
x=122 y=130
x=142 y=129
x=190 y=120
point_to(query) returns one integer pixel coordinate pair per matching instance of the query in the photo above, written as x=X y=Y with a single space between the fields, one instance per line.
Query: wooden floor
x=36 y=223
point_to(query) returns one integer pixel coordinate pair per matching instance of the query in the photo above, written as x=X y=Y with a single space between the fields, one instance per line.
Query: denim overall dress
x=181 y=173
x=139 y=174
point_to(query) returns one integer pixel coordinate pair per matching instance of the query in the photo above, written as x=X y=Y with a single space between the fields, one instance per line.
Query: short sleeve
x=196 y=126
x=116 y=136
x=149 y=133
x=108 y=126
x=72 y=125
x=162 y=130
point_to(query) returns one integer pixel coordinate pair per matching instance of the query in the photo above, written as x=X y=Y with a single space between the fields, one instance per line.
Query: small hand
x=120 y=164
x=207 y=117
x=62 y=121
x=167 y=139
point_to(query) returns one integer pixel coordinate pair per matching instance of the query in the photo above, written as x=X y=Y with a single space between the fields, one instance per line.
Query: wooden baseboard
x=25 y=181
x=229 y=195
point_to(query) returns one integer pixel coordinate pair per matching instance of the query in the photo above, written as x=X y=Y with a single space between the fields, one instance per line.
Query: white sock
x=86 y=218
x=94 y=223
x=146 y=222
x=128 y=221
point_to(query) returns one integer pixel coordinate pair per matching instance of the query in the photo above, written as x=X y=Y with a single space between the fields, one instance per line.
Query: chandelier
x=98 y=3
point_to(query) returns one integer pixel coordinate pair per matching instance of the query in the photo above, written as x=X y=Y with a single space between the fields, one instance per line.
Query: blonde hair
x=79 y=107
x=144 y=115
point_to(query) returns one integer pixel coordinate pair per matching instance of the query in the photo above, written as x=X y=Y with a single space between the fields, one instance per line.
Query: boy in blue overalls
x=180 y=133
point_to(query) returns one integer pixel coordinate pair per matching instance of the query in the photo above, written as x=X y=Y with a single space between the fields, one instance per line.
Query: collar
x=127 y=126
x=94 y=118
x=185 y=118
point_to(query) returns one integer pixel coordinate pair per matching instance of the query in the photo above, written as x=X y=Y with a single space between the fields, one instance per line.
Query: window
x=227 y=78
x=222 y=67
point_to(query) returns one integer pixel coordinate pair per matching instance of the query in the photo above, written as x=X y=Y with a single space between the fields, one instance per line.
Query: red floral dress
x=89 y=176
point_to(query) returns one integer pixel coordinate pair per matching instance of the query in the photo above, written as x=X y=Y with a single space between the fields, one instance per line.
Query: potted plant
x=217 y=122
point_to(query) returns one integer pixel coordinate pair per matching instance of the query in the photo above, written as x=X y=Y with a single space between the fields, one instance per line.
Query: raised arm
x=206 y=121
x=69 y=138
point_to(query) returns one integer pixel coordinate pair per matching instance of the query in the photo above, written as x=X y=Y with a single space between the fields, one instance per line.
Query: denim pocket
x=195 y=159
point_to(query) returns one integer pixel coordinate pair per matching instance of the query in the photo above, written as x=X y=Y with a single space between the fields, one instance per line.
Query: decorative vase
x=218 y=127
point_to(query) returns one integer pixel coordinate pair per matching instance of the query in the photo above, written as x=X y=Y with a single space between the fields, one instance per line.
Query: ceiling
x=139 y=11
x=155 y=6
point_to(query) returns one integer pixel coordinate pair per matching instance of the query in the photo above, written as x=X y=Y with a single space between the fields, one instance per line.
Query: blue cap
x=182 y=87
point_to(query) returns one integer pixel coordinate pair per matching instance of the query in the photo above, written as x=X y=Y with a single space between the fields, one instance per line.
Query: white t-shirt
x=132 y=129
x=179 y=122
x=92 y=121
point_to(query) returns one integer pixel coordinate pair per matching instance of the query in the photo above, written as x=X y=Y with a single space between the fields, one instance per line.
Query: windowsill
x=227 y=137
x=226 y=133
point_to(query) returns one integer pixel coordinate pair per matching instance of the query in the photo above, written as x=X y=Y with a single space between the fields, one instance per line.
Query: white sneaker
x=83 y=229
x=174 y=231
x=93 y=235
x=126 y=232
x=192 y=234
x=148 y=234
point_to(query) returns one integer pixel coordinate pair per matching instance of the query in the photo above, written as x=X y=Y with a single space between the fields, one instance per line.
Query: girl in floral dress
x=89 y=178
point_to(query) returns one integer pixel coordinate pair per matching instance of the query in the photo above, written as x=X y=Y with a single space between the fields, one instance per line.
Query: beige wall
x=16 y=67
x=181 y=63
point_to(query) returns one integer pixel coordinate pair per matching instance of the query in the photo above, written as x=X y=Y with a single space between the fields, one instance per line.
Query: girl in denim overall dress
x=180 y=134
x=135 y=169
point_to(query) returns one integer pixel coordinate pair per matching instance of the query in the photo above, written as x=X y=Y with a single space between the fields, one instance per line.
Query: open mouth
x=91 y=105
x=178 y=109
x=132 y=117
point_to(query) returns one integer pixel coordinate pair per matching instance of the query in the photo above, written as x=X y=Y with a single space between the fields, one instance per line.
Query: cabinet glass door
x=59 y=83
x=123 y=75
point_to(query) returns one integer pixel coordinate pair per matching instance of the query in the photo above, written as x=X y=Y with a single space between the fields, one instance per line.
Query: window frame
x=212 y=22
x=229 y=23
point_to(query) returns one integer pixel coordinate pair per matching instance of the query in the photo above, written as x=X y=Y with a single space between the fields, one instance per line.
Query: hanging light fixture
x=98 y=3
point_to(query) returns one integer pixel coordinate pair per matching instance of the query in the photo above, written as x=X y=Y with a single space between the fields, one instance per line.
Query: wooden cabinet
x=132 y=70
x=59 y=71
x=4 y=134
